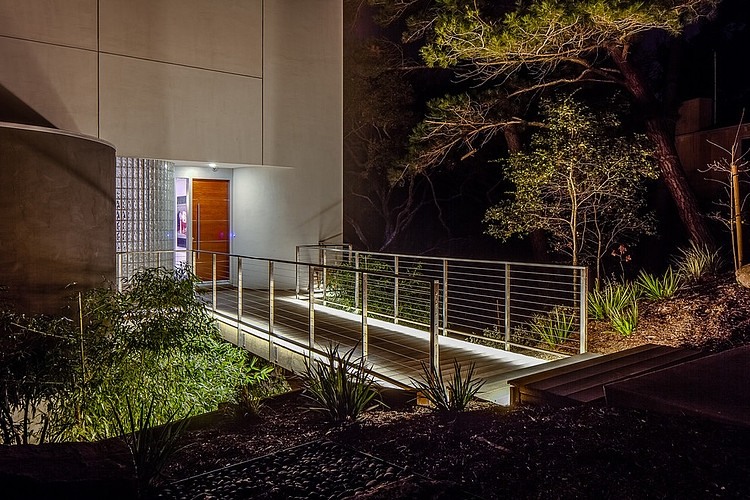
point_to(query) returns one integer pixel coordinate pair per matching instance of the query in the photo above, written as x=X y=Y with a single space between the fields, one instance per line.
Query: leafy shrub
x=338 y=386
x=413 y=294
x=34 y=367
x=625 y=320
x=655 y=288
x=155 y=340
x=698 y=261
x=490 y=337
x=249 y=398
x=555 y=327
x=453 y=396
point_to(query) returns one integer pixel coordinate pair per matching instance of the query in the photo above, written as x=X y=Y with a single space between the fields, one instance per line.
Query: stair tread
x=588 y=363
x=607 y=372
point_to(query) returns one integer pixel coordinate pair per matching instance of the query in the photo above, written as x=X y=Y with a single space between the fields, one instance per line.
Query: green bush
x=414 y=296
x=152 y=343
x=249 y=399
x=35 y=354
x=453 y=396
x=339 y=386
x=655 y=288
x=697 y=261
x=154 y=340
x=555 y=327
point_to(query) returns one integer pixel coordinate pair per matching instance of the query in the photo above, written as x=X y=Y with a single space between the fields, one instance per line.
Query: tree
x=385 y=195
x=563 y=42
x=582 y=182
x=732 y=172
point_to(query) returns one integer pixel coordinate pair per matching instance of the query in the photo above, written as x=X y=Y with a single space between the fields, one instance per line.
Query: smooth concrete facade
x=254 y=84
x=57 y=197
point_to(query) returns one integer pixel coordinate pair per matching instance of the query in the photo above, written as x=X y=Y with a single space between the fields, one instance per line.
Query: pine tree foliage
x=553 y=43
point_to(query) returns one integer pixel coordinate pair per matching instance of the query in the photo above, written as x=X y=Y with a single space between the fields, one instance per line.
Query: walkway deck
x=395 y=351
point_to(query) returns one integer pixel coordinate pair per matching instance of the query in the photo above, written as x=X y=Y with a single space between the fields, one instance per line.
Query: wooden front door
x=210 y=227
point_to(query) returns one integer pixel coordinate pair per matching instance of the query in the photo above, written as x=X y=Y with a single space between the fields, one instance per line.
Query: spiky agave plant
x=339 y=386
x=453 y=396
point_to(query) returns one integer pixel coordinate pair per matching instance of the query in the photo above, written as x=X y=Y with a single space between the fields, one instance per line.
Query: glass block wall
x=144 y=213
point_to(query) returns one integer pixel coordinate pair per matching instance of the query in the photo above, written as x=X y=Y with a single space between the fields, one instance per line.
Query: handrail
x=273 y=268
x=515 y=300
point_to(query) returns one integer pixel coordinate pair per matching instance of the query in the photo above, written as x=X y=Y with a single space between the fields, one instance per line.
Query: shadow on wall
x=14 y=110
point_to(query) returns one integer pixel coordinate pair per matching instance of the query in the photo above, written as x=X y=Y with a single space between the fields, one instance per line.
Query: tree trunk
x=674 y=178
x=537 y=237
x=669 y=163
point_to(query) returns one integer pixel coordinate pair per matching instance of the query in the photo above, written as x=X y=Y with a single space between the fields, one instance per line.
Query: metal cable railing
x=267 y=298
x=510 y=305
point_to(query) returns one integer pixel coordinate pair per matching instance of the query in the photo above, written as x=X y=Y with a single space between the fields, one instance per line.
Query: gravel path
x=316 y=470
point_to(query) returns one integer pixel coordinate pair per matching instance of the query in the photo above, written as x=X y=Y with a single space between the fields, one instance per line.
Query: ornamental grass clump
x=555 y=327
x=697 y=261
x=453 y=396
x=618 y=302
x=339 y=386
x=658 y=288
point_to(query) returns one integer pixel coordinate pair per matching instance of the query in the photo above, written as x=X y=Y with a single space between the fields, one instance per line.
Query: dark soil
x=497 y=452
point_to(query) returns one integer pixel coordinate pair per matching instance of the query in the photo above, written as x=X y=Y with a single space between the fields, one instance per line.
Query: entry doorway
x=210 y=227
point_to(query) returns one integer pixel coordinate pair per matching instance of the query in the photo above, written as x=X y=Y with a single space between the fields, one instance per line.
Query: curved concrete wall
x=57 y=196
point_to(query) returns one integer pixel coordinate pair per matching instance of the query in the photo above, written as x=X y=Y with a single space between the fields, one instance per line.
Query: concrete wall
x=166 y=79
x=300 y=202
x=57 y=195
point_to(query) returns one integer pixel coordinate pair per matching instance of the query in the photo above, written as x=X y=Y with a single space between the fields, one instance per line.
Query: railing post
x=325 y=260
x=311 y=314
x=271 y=311
x=296 y=272
x=193 y=261
x=364 y=316
x=395 y=290
x=213 y=280
x=239 y=302
x=119 y=272
x=583 y=314
x=158 y=259
x=434 y=326
x=507 y=307
x=445 y=296
x=356 y=281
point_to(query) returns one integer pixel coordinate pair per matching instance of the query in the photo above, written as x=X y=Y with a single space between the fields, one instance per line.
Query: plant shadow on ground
x=497 y=452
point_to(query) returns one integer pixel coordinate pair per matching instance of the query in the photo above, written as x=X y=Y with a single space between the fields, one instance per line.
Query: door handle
x=198 y=220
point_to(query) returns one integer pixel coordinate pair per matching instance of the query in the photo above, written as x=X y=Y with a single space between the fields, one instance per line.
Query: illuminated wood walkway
x=395 y=352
